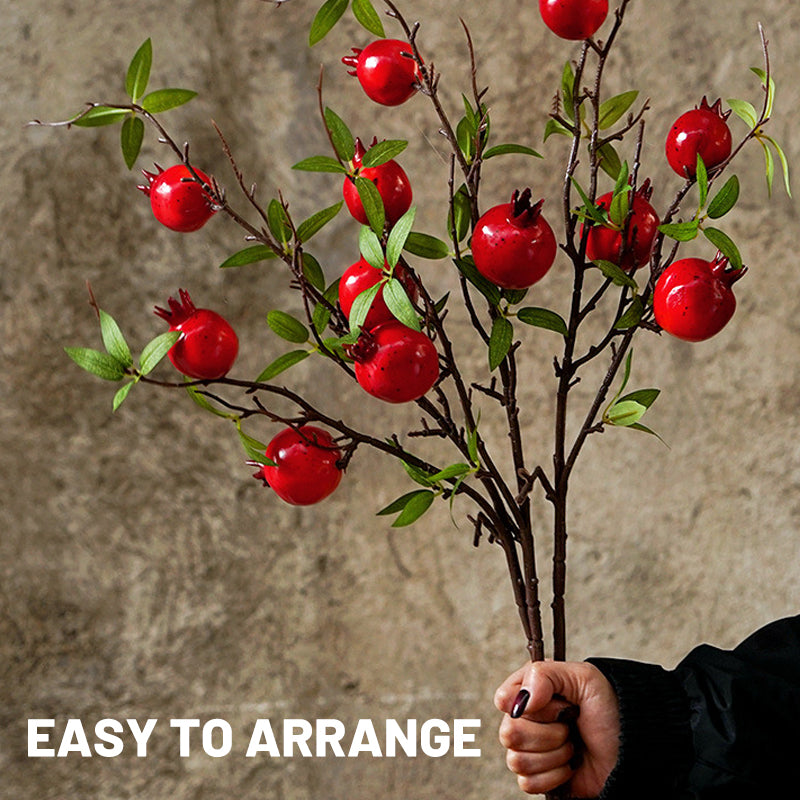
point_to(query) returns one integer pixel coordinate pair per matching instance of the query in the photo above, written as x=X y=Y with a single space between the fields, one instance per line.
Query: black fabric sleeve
x=724 y=725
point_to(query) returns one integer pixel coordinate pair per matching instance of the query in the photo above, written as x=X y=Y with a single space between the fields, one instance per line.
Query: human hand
x=537 y=736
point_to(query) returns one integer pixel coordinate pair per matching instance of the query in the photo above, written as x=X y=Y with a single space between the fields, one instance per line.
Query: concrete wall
x=146 y=575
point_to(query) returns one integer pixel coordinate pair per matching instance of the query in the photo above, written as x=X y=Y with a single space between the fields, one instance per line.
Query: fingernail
x=520 y=702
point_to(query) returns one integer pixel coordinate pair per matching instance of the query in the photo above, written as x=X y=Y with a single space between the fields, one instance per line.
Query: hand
x=538 y=742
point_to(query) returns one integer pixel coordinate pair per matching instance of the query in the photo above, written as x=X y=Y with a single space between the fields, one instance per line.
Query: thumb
x=548 y=688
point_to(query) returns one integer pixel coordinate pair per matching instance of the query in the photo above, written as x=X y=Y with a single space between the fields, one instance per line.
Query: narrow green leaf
x=155 y=350
x=312 y=272
x=632 y=316
x=612 y=110
x=467 y=268
x=589 y=208
x=508 y=149
x=644 y=396
x=500 y=340
x=460 y=218
x=770 y=164
x=368 y=17
x=396 y=506
x=121 y=394
x=770 y=88
x=725 y=199
x=622 y=184
x=701 y=175
x=166 y=99
x=256 y=451
x=784 y=164
x=250 y=255
x=426 y=246
x=369 y=245
x=100 y=364
x=281 y=364
x=417 y=475
x=373 y=204
x=131 y=138
x=610 y=161
x=440 y=304
x=465 y=137
x=114 y=341
x=278 y=221
x=382 y=152
x=453 y=471
x=201 y=400
x=319 y=164
x=287 y=327
x=322 y=312
x=317 y=221
x=618 y=210
x=567 y=89
x=343 y=141
x=398 y=302
x=362 y=304
x=626 y=376
x=616 y=275
x=744 y=111
x=414 y=509
x=637 y=426
x=725 y=245
x=472 y=447
x=681 y=231
x=101 y=115
x=399 y=233
x=330 y=13
x=139 y=71
x=555 y=127
x=543 y=318
x=514 y=296
x=625 y=413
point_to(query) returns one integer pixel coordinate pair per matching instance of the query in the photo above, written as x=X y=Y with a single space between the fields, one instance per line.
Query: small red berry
x=513 y=245
x=704 y=131
x=178 y=201
x=208 y=345
x=693 y=299
x=306 y=465
x=574 y=19
x=606 y=244
x=360 y=276
x=395 y=363
x=386 y=70
x=390 y=180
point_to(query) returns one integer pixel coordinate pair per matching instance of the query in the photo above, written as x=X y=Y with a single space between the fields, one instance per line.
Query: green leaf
x=725 y=199
x=681 y=231
x=417 y=475
x=382 y=152
x=287 y=327
x=770 y=88
x=114 y=341
x=278 y=222
x=366 y=14
x=465 y=136
x=322 y=312
x=201 y=400
x=625 y=413
x=616 y=275
x=637 y=426
x=398 y=302
x=770 y=164
x=100 y=364
x=155 y=350
x=320 y=164
x=101 y=115
x=701 y=175
x=281 y=364
x=612 y=110
x=467 y=268
x=343 y=141
x=399 y=233
x=396 y=506
x=784 y=164
x=166 y=99
x=373 y=204
x=472 y=447
x=632 y=316
x=453 y=471
x=362 y=304
x=426 y=246
x=618 y=210
x=414 y=505
x=644 y=396
x=500 y=340
x=514 y=296
x=256 y=451
x=317 y=221
x=139 y=71
x=744 y=111
x=622 y=184
x=312 y=272
x=507 y=149
x=609 y=160
x=131 y=138
x=555 y=127
x=725 y=245
x=567 y=89
x=250 y=255
x=330 y=13
x=626 y=376
x=121 y=394
x=460 y=218
x=369 y=245
x=589 y=208
x=543 y=318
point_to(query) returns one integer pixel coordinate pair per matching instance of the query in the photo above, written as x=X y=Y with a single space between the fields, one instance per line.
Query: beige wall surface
x=145 y=574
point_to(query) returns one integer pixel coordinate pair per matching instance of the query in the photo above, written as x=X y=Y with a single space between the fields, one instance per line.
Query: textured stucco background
x=145 y=574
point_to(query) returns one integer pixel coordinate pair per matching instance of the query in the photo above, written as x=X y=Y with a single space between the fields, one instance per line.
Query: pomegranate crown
x=522 y=212
x=150 y=177
x=360 y=150
x=716 y=108
x=720 y=270
x=352 y=61
x=179 y=310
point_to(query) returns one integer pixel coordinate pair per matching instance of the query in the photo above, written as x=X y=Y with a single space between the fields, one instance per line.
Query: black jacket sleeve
x=723 y=725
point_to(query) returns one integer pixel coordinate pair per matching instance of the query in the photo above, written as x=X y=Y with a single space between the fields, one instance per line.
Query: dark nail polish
x=520 y=702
